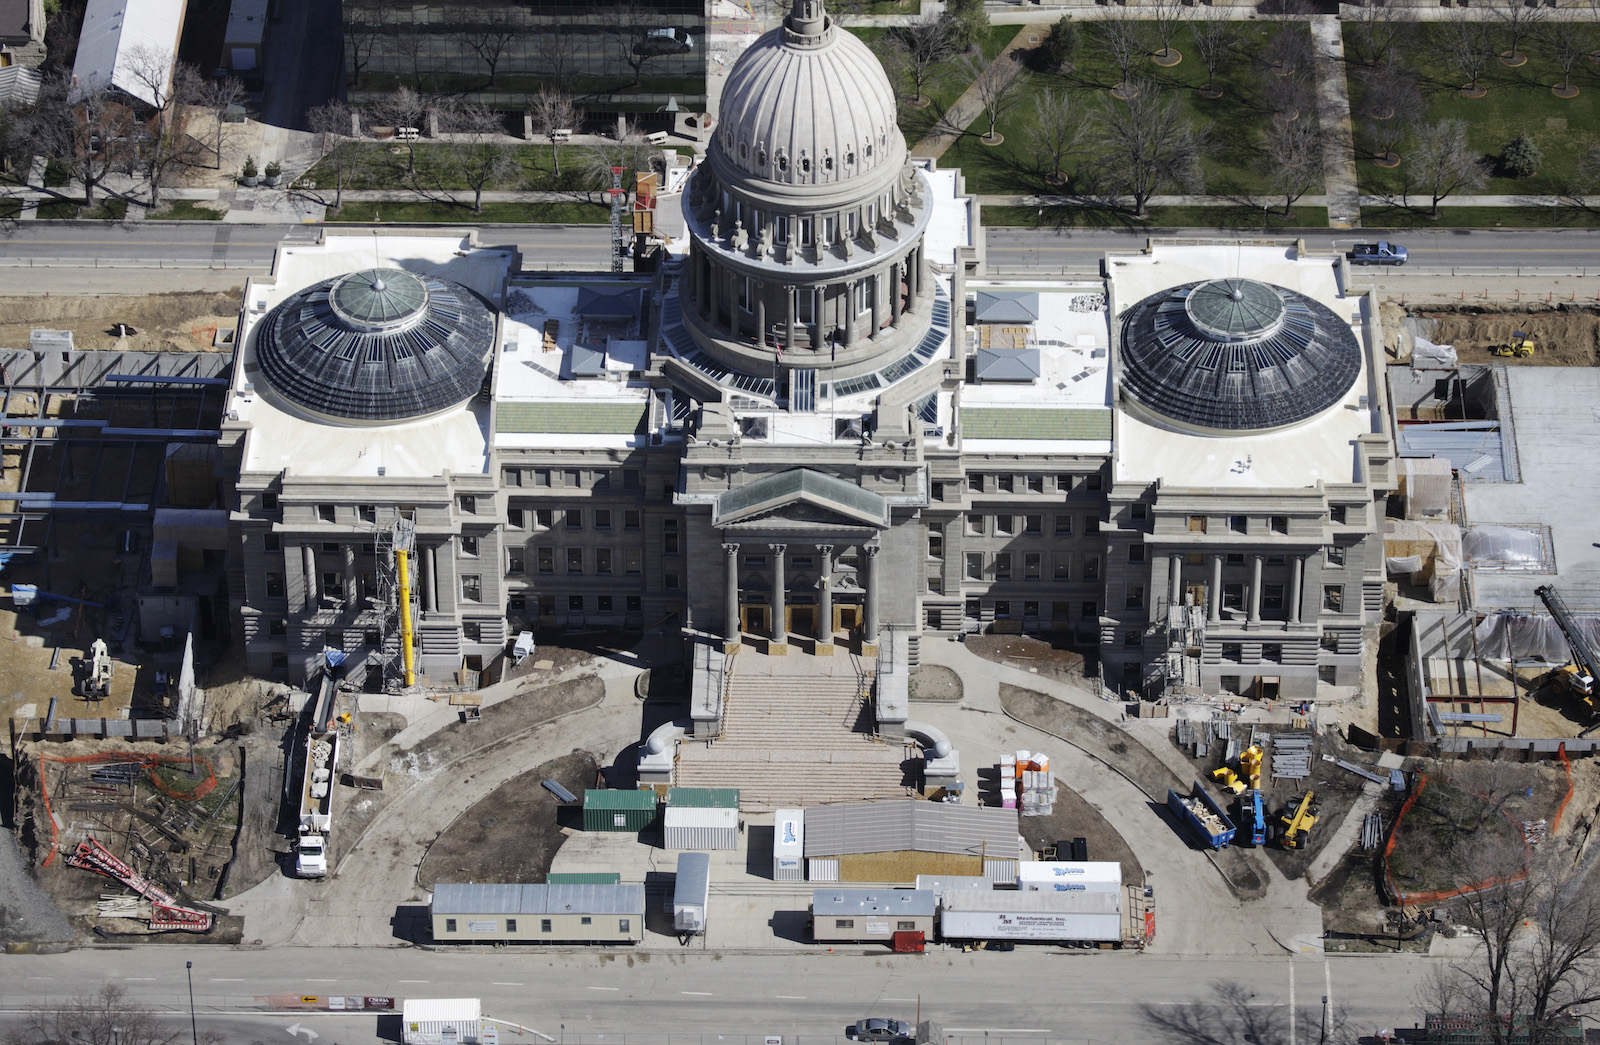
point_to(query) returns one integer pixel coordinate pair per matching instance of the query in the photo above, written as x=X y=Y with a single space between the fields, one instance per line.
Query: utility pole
x=194 y=1031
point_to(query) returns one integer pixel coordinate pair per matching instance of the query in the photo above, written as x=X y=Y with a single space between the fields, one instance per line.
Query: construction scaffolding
x=394 y=542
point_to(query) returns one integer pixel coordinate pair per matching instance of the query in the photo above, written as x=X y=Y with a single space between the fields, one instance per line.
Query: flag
x=777 y=348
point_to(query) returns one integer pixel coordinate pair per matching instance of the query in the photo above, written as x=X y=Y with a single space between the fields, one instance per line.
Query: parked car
x=879 y=1028
x=664 y=41
x=1379 y=253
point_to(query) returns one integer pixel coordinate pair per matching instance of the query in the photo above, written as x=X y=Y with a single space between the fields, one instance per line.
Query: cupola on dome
x=1236 y=355
x=378 y=346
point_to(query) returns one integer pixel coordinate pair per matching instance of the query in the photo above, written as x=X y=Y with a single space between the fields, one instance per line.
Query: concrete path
x=969 y=107
x=1348 y=831
x=1333 y=111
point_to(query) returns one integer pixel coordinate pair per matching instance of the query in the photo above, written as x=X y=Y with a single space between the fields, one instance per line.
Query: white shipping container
x=441 y=1021
x=1101 y=876
x=788 y=845
x=823 y=869
x=702 y=829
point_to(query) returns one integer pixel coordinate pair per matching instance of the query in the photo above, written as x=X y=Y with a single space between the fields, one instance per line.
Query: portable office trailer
x=870 y=915
x=701 y=818
x=788 y=845
x=1005 y=914
x=618 y=810
x=690 y=892
x=542 y=913
x=1065 y=876
x=894 y=841
x=438 y=1021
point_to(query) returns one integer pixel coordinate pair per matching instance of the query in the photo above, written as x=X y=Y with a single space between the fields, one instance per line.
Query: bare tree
x=557 y=52
x=1166 y=16
x=1520 y=20
x=90 y=137
x=338 y=157
x=1388 y=91
x=413 y=43
x=1377 y=33
x=1383 y=137
x=1216 y=39
x=1292 y=157
x=922 y=51
x=404 y=108
x=361 y=30
x=217 y=96
x=1443 y=162
x=997 y=85
x=1289 y=51
x=630 y=150
x=474 y=151
x=1565 y=37
x=490 y=35
x=964 y=21
x=1227 y=1012
x=1468 y=44
x=1289 y=95
x=1125 y=39
x=167 y=85
x=1145 y=142
x=1056 y=133
x=106 y=1017
x=552 y=112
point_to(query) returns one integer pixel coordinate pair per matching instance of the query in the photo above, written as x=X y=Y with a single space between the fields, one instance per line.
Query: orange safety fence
x=1561 y=753
x=149 y=762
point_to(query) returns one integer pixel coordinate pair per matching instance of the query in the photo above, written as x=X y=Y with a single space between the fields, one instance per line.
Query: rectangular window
x=1236 y=558
x=512 y=477
x=471 y=587
x=1002 y=609
x=1031 y=566
x=544 y=518
x=514 y=561
x=269 y=501
x=936 y=491
x=1272 y=598
x=511 y=925
x=1030 y=609
x=933 y=584
x=1197 y=524
x=1063 y=568
x=1233 y=596
x=585 y=920
x=630 y=561
x=1272 y=652
x=471 y=631
x=1002 y=567
x=1036 y=484
x=975 y=482
x=1135 y=593
x=449 y=925
x=635 y=604
x=624 y=925
x=905 y=926
x=468 y=503
x=1333 y=556
x=630 y=519
x=544 y=925
x=1063 y=526
x=1138 y=511
x=333 y=584
x=1091 y=567
x=1091 y=610
x=330 y=547
x=326 y=513
x=669 y=581
x=669 y=537
x=271 y=542
x=574 y=603
x=1033 y=525
x=1091 y=482
x=603 y=603
x=1280 y=524
x=1336 y=514
x=572 y=479
x=1063 y=484
x=469 y=547
x=974 y=566
x=516 y=519
x=1091 y=524
x=935 y=545
x=602 y=518
x=278 y=626
x=1005 y=525
x=546 y=558
x=1233 y=651
x=1136 y=553
x=1329 y=641
x=572 y=518
x=602 y=561
x=1237 y=524
x=541 y=477
x=1006 y=483
x=1131 y=640
x=844 y=923
x=974 y=524
x=1333 y=597
x=972 y=608
x=1231 y=683
x=574 y=560
x=274 y=585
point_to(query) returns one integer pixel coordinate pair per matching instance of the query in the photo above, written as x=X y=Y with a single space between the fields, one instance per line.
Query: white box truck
x=690 y=892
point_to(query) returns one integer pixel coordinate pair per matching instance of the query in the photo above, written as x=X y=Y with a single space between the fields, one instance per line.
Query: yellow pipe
x=406 y=653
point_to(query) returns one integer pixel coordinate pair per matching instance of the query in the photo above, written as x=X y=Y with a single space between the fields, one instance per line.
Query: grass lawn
x=493 y=214
x=380 y=165
x=1517 y=100
x=916 y=123
x=1244 y=219
x=59 y=209
x=187 y=210
x=1479 y=218
x=1232 y=123
x=10 y=208
x=106 y=210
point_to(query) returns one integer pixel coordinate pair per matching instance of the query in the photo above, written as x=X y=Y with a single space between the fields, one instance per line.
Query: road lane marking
x=702 y=994
x=323 y=980
x=1327 y=993
x=413 y=981
x=1001 y=1030
x=147 y=979
x=215 y=979
x=791 y=997
x=602 y=988
x=1291 y=1004
x=498 y=983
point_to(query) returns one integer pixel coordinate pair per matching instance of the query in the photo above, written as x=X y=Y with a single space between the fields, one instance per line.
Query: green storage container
x=618 y=810
x=585 y=878
x=703 y=797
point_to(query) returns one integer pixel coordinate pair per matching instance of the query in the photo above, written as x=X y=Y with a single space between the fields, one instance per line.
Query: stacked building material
x=1036 y=783
x=1371 y=832
x=1291 y=756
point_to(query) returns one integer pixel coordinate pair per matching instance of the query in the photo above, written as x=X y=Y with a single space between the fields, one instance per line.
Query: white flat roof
x=119 y=39
x=1322 y=450
x=283 y=438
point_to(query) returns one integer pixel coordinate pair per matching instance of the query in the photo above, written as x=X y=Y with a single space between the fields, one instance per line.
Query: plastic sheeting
x=1435 y=548
x=1502 y=636
x=1425 y=353
x=1504 y=548
x=1404 y=565
x=1425 y=482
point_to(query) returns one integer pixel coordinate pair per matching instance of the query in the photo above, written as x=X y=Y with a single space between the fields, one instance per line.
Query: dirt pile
x=1565 y=335
x=164 y=322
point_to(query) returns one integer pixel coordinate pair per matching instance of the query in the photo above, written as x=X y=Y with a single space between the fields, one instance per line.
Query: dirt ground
x=1029 y=653
x=1075 y=818
x=165 y=322
x=937 y=683
x=1564 y=334
x=514 y=833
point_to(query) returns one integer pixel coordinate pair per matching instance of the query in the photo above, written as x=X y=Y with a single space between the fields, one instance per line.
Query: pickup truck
x=1379 y=253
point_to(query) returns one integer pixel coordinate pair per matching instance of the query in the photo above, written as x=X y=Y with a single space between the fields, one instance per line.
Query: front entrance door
x=1196 y=595
x=755 y=618
x=802 y=620
x=846 y=619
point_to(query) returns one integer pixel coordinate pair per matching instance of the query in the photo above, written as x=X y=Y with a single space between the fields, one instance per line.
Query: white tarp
x=1425 y=353
x=1425 y=482
x=1503 y=548
x=1439 y=568
x=1525 y=636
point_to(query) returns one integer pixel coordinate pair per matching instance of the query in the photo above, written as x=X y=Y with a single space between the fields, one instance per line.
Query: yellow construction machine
x=1520 y=345
x=1298 y=820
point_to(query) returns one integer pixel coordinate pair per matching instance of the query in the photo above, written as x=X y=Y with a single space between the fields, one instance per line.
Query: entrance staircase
x=796 y=731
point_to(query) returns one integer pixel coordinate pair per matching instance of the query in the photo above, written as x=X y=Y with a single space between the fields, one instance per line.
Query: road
x=606 y=998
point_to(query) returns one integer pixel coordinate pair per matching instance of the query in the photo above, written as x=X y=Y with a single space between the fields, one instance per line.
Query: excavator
x=1577 y=677
x=1298 y=820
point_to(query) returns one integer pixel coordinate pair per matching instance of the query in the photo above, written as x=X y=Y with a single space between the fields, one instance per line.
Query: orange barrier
x=148 y=761
x=1440 y=895
x=1555 y=822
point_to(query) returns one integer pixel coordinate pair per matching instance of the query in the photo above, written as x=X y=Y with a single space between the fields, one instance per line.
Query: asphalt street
x=608 y=998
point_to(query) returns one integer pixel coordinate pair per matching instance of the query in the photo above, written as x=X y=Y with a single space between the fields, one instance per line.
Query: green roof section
x=619 y=799
x=802 y=484
x=1026 y=423
x=584 y=878
x=596 y=418
x=703 y=797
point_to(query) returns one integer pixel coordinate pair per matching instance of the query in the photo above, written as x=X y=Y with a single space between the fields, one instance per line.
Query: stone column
x=780 y=634
x=733 y=303
x=760 y=292
x=788 y=327
x=894 y=294
x=869 y=627
x=731 y=616
x=1214 y=596
x=702 y=293
x=714 y=278
x=351 y=594
x=850 y=313
x=424 y=559
x=825 y=600
x=877 y=303
x=1255 y=589
x=308 y=559
x=443 y=597
x=819 y=312
x=1175 y=581
x=1296 y=578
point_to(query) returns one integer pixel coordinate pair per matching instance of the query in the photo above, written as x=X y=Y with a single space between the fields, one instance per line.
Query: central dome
x=808 y=103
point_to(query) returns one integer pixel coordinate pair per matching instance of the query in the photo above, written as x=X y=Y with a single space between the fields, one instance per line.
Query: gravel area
x=27 y=915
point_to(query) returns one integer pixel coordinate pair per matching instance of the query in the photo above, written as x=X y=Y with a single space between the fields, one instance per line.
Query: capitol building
x=820 y=426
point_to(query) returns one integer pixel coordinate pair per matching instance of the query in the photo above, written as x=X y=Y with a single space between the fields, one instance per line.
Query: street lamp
x=188 y=968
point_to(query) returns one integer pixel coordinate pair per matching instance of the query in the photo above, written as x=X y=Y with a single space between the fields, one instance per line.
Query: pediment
x=802 y=497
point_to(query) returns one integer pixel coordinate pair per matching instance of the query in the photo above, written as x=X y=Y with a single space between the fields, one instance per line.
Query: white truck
x=316 y=804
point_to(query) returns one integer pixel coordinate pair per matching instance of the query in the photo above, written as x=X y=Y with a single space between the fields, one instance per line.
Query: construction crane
x=619 y=245
x=1580 y=675
x=1297 y=824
